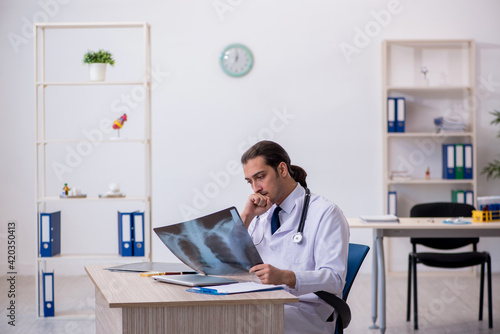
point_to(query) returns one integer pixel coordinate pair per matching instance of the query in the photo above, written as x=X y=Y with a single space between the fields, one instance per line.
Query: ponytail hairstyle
x=273 y=154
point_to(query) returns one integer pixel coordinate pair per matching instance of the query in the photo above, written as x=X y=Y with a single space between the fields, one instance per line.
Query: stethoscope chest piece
x=297 y=238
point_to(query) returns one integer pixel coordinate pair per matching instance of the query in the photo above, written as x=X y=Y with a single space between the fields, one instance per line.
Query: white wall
x=323 y=107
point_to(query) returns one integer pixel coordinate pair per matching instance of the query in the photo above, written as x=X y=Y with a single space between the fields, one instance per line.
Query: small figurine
x=66 y=189
x=428 y=174
x=118 y=123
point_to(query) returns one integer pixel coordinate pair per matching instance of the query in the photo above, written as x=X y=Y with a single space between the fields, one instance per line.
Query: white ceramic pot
x=97 y=71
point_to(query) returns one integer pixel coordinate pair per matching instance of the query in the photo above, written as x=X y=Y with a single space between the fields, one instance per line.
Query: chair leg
x=490 y=305
x=408 y=297
x=481 y=292
x=415 y=306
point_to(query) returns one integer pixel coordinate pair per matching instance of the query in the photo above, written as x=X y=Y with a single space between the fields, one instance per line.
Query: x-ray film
x=217 y=244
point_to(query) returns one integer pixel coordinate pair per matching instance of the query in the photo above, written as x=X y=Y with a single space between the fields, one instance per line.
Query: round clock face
x=236 y=60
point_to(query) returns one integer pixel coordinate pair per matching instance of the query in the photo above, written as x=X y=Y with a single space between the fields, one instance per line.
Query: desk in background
x=129 y=303
x=411 y=227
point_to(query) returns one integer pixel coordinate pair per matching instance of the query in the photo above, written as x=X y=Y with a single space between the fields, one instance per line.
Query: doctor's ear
x=282 y=168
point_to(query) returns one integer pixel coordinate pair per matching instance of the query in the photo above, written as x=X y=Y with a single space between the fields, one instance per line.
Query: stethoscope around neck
x=298 y=236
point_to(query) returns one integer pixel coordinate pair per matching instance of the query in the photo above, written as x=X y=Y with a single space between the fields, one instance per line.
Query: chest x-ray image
x=217 y=244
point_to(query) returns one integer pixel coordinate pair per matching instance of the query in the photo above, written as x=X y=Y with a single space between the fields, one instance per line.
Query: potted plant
x=97 y=63
x=492 y=170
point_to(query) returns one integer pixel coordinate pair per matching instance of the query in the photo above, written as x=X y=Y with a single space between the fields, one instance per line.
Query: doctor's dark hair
x=273 y=155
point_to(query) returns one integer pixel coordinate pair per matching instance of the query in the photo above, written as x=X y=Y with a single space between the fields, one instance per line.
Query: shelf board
x=89 y=83
x=428 y=89
x=432 y=181
x=69 y=315
x=429 y=134
x=90 y=199
x=81 y=25
x=110 y=257
x=69 y=141
x=440 y=43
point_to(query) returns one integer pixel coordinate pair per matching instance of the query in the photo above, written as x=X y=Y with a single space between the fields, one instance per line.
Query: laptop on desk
x=217 y=244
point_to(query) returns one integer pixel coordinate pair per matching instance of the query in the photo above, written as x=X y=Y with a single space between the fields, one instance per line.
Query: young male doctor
x=272 y=215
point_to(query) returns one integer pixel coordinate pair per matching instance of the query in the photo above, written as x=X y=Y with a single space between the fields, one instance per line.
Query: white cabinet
x=448 y=90
x=76 y=143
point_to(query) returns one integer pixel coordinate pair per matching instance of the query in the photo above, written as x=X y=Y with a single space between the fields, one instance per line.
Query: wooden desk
x=129 y=303
x=411 y=227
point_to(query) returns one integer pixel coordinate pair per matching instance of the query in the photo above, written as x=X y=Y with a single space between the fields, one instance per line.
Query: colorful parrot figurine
x=118 y=123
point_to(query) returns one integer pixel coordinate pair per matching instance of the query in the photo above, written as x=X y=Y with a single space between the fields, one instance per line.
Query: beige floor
x=448 y=304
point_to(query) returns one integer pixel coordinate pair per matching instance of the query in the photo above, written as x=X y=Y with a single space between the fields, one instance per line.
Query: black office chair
x=355 y=258
x=446 y=260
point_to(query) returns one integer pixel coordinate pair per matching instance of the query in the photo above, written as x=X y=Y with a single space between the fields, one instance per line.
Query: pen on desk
x=153 y=273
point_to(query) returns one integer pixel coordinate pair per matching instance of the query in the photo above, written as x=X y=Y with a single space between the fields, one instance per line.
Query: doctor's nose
x=256 y=188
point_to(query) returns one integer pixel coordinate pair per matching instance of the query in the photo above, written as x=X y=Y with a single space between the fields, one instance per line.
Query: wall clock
x=236 y=60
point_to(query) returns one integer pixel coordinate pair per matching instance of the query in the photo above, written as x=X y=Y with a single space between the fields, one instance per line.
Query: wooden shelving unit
x=45 y=195
x=450 y=89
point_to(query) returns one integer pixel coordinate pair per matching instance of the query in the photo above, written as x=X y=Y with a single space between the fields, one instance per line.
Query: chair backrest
x=443 y=210
x=357 y=254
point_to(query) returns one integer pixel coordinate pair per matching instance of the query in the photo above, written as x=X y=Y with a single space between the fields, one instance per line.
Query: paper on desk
x=380 y=219
x=235 y=288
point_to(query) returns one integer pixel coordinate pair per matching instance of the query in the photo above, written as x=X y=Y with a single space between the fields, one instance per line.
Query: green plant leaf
x=492 y=170
x=101 y=56
x=496 y=121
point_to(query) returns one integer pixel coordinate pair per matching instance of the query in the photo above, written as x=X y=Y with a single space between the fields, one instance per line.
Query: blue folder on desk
x=236 y=288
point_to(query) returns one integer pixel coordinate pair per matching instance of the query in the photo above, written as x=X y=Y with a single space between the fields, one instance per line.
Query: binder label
x=45 y=228
x=126 y=229
x=48 y=288
x=138 y=228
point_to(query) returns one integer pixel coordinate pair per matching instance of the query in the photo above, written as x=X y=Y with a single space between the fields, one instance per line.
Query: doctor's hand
x=272 y=275
x=257 y=204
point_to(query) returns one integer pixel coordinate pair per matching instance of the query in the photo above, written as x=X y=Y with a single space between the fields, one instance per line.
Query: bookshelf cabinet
x=447 y=89
x=76 y=144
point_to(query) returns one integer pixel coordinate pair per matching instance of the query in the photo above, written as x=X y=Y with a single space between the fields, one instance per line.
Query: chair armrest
x=343 y=310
